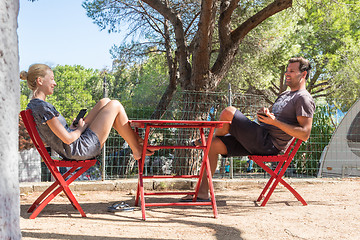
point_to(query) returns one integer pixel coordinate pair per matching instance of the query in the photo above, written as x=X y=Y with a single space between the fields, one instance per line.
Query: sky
x=58 y=32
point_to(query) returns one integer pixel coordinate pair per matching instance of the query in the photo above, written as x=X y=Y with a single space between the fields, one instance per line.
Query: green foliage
x=326 y=32
x=140 y=87
x=76 y=88
x=308 y=156
x=331 y=40
x=25 y=95
x=264 y=50
x=348 y=80
x=24 y=100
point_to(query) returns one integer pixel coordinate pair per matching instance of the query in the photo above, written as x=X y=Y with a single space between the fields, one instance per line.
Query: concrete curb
x=169 y=184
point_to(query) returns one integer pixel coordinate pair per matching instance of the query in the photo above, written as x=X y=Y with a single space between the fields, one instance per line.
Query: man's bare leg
x=217 y=147
x=226 y=115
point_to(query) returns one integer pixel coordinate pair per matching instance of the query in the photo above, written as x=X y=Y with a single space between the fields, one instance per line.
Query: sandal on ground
x=119 y=207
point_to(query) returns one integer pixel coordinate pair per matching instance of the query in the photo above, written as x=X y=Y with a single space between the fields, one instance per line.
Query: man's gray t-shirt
x=87 y=146
x=287 y=107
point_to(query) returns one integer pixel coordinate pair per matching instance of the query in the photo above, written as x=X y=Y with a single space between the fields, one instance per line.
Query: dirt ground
x=333 y=212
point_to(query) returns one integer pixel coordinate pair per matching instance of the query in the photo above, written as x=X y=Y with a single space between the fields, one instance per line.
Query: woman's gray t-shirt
x=87 y=146
x=287 y=107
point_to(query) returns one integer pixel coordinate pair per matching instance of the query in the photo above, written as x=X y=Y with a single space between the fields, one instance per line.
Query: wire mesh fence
x=119 y=163
x=116 y=161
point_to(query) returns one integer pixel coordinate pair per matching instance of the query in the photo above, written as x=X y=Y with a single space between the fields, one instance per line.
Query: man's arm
x=302 y=132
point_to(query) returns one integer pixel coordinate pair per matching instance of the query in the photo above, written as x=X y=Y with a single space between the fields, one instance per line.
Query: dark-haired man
x=290 y=116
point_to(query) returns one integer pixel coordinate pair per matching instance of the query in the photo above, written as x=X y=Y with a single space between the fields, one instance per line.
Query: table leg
x=205 y=169
x=141 y=171
x=208 y=168
x=138 y=184
x=202 y=168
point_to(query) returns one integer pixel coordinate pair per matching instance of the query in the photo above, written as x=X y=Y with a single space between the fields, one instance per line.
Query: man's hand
x=265 y=116
x=302 y=131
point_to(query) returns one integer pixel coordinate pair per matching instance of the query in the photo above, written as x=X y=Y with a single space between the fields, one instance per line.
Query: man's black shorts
x=247 y=137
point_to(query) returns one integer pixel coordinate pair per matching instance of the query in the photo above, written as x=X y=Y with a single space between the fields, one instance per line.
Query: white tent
x=341 y=158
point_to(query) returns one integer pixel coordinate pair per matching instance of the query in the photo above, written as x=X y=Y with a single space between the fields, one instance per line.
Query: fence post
x=229 y=95
x=231 y=159
x=104 y=148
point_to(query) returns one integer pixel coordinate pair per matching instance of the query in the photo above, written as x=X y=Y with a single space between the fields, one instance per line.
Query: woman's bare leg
x=113 y=115
x=95 y=110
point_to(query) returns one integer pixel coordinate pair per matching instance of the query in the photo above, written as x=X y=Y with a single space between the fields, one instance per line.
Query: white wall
x=9 y=110
x=29 y=165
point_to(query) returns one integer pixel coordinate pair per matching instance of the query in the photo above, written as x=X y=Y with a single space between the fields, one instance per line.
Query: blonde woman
x=86 y=140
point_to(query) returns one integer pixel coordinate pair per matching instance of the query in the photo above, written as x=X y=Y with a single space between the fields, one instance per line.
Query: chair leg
x=50 y=193
x=42 y=196
x=278 y=178
x=268 y=184
x=262 y=194
x=73 y=201
x=52 y=196
x=43 y=204
x=68 y=192
x=275 y=175
x=293 y=191
x=266 y=199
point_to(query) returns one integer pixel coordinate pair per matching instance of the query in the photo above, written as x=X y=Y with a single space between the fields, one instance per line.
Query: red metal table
x=205 y=166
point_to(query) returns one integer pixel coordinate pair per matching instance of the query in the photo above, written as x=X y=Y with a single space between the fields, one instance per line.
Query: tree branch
x=321 y=84
x=229 y=41
x=192 y=21
x=277 y=89
x=174 y=18
x=226 y=9
x=154 y=25
x=277 y=6
x=203 y=46
x=321 y=90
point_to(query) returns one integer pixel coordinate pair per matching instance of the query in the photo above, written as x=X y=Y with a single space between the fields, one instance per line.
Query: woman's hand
x=81 y=125
x=73 y=127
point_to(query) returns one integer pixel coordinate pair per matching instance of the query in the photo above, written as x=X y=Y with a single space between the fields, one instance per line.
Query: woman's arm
x=65 y=136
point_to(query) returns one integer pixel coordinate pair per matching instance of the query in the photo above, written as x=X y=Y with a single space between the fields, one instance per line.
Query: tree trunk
x=199 y=75
x=171 y=88
x=195 y=106
x=9 y=119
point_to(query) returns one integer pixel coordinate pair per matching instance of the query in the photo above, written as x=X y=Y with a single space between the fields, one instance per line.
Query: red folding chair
x=62 y=182
x=277 y=174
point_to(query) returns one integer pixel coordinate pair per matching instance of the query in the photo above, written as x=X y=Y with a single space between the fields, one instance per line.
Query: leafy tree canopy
x=76 y=88
x=199 y=39
x=325 y=32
